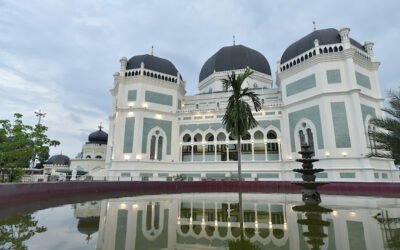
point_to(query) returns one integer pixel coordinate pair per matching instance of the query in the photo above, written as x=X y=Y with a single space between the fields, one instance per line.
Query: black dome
x=59 y=160
x=88 y=226
x=153 y=63
x=98 y=137
x=324 y=36
x=235 y=57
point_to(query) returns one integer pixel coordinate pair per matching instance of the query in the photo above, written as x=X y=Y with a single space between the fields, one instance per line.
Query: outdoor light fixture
x=344 y=154
x=327 y=154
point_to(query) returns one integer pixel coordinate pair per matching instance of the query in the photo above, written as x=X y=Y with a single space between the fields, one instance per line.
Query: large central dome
x=235 y=57
x=153 y=63
x=324 y=36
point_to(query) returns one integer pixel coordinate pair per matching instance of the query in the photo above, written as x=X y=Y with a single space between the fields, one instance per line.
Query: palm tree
x=238 y=118
x=386 y=139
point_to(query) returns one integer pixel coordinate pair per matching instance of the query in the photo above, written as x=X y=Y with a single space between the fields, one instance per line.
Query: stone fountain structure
x=308 y=172
x=313 y=219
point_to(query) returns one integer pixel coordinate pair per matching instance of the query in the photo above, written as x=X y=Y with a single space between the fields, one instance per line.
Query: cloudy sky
x=59 y=56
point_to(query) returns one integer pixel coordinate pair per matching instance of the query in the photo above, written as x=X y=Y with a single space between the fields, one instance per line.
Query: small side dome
x=88 y=226
x=235 y=57
x=152 y=63
x=98 y=137
x=58 y=160
x=324 y=37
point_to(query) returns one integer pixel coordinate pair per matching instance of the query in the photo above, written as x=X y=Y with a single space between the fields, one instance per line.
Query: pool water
x=209 y=221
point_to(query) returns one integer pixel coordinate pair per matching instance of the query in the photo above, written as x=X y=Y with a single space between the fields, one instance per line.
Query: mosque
x=325 y=92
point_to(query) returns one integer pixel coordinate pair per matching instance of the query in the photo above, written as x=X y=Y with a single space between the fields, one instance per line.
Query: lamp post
x=39 y=113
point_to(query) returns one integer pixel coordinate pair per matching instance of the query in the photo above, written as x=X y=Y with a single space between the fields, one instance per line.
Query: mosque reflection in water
x=270 y=221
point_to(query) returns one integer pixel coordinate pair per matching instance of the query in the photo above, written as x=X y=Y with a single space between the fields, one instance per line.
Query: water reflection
x=211 y=221
x=18 y=229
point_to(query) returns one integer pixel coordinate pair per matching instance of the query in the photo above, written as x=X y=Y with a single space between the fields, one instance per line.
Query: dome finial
x=100 y=126
x=234 y=40
x=314 y=26
x=152 y=50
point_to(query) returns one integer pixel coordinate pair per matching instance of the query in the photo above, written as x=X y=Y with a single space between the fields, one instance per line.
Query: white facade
x=210 y=221
x=325 y=96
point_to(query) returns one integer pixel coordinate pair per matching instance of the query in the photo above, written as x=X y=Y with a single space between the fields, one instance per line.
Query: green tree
x=20 y=143
x=14 y=231
x=238 y=118
x=386 y=139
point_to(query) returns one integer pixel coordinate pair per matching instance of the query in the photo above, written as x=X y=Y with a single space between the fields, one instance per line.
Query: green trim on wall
x=179 y=104
x=129 y=134
x=220 y=116
x=268 y=175
x=125 y=174
x=269 y=113
x=158 y=98
x=384 y=176
x=194 y=175
x=376 y=175
x=187 y=118
x=301 y=85
x=266 y=123
x=149 y=124
x=209 y=116
x=363 y=80
x=132 y=95
x=333 y=76
x=159 y=242
x=201 y=127
x=356 y=234
x=340 y=125
x=216 y=175
x=163 y=174
x=311 y=113
x=244 y=175
x=146 y=174
x=347 y=175
x=367 y=110
x=198 y=117
x=120 y=232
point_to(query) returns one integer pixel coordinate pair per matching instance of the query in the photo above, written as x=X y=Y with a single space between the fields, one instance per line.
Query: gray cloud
x=60 y=55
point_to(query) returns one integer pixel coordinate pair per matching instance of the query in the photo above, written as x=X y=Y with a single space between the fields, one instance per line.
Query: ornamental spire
x=234 y=42
x=100 y=126
x=314 y=26
x=152 y=50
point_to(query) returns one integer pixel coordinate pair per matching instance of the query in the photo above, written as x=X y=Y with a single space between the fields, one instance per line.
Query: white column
x=204 y=152
x=279 y=150
x=192 y=149
x=227 y=152
x=215 y=151
x=252 y=150
x=266 y=151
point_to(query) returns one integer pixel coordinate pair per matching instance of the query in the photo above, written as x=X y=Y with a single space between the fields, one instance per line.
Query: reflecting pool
x=209 y=221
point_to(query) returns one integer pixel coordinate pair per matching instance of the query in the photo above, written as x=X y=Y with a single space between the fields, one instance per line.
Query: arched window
x=310 y=139
x=160 y=145
x=306 y=136
x=262 y=101
x=88 y=157
x=153 y=147
x=217 y=104
x=272 y=146
x=157 y=145
x=197 y=106
x=210 y=139
x=98 y=157
x=246 y=147
x=197 y=138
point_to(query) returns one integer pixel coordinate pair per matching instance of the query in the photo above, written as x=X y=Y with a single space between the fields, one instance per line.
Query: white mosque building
x=326 y=91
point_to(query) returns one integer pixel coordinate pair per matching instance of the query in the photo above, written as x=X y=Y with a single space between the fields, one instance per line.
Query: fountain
x=308 y=172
